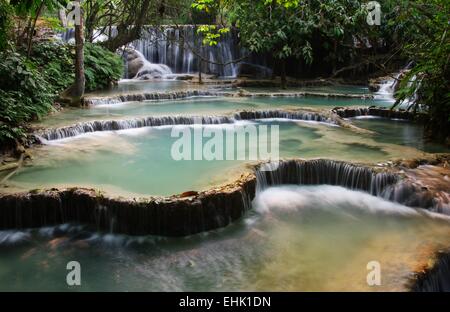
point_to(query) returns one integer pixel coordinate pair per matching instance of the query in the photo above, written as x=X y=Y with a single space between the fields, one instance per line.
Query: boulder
x=134 y=62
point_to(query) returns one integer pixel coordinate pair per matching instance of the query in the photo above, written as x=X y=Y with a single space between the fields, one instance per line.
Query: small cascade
x=138 y=67
x=386 y=90
x=275 y=114
x=322 y=171
x=389 y=86
x=171 y=95
x=436 y=279
x=372 y=111
x=139 y=97
x=383 y=184
x=163 y=216
x=114 y=125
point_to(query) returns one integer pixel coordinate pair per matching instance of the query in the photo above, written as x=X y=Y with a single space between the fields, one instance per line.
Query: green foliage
x=289 y=28
x=5 y=23
x=427 y=44
x=55 y=61
x=24 y=92
x=211 y=35
x=28 y=87
x=102 y=67
x=31 y=7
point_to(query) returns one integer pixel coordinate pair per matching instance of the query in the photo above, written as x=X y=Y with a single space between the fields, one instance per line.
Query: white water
x=313 y=238
x=151 y=70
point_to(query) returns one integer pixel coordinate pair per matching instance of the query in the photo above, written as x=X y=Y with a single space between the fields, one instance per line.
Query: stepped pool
x=198 y=106
x=297 y=238
x=139 y=161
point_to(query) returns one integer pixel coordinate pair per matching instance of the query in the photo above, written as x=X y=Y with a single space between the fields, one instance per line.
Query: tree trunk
x=33 y=27
x=200 y=65
x=78 y=88
x=283 y=74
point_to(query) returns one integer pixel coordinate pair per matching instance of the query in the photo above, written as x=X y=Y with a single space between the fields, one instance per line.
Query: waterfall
x=386 y=90
x=112 y=125
x=372 y=111
x=175 y=47
x=139 y=97
x=179 y=47
x=389 y=86
x=272 y=114
x=139 y=68
x=322 y=171
x=436 y=279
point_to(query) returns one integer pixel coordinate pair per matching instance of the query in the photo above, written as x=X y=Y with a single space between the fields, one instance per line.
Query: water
x=311 y=238
x=399 y=132
x=139 y=161
x=175 y=47
x=297 y=238
x=195 y=106
x=341 y=89
x=141 y=86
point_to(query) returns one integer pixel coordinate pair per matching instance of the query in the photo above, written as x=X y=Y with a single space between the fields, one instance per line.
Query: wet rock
x=189 y=194
x=134 y=62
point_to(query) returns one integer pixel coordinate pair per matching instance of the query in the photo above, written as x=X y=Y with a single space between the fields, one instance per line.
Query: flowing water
x=310 y=238
x=139 y=161
x=302 y=238
x=196 y=106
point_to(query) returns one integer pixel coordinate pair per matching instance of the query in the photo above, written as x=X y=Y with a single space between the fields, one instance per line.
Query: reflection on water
x=400 y=132
x=315 y=238
x=141 y=86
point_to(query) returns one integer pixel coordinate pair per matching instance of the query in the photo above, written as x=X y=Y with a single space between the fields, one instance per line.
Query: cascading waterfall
x=179 y=47
x=137 y=63
x=372 y=111
x=389 y=86
x=322 y=171
x=437 y=278
x=111 y=125
x=139 y=97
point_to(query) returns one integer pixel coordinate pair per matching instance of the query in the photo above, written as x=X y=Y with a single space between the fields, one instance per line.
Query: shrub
x=25 y=94
x=102 y=67
x=28 y=87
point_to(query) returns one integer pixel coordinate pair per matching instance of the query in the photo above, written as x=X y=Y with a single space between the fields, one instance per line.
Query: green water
x=340 y=89
x=317 y=238
x=142 y=86
x=195 y=106
x=139 y=161
x=399 y=132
